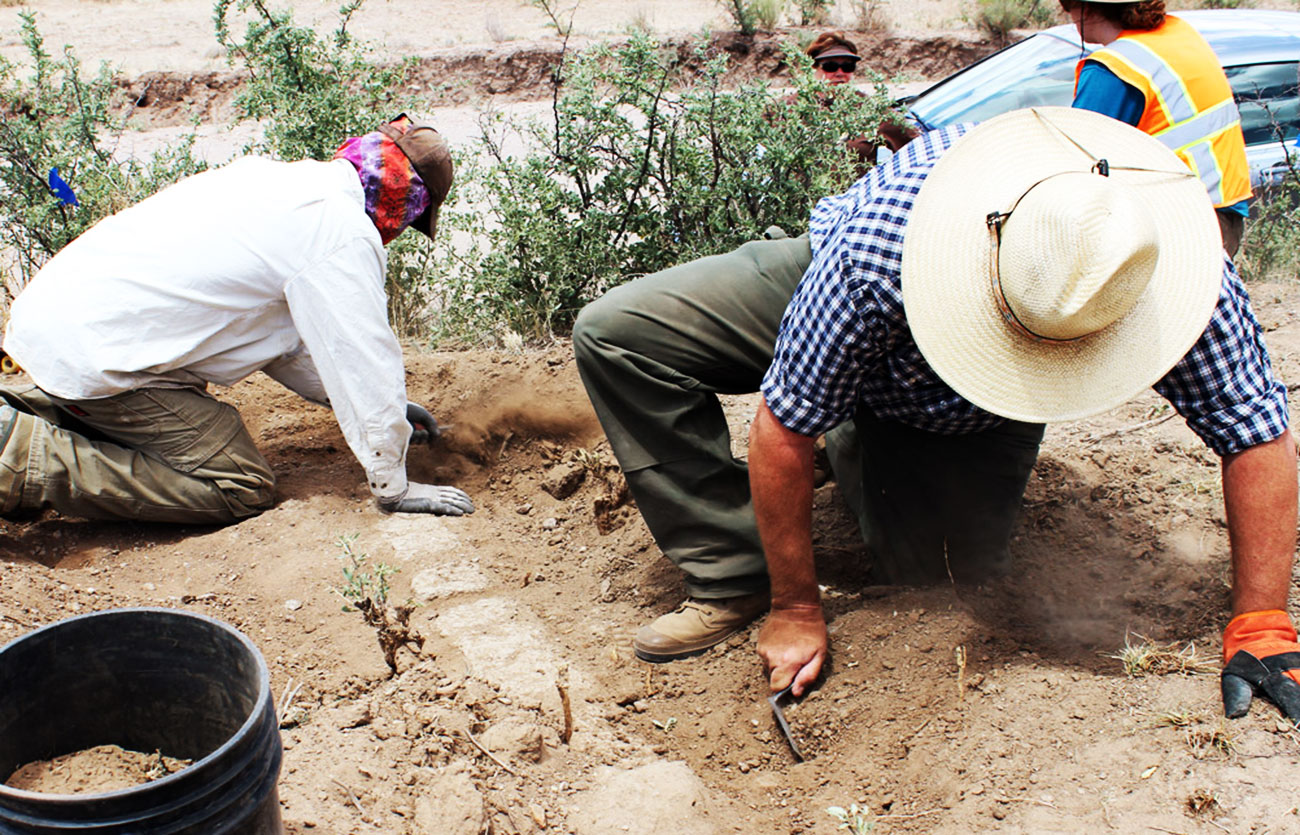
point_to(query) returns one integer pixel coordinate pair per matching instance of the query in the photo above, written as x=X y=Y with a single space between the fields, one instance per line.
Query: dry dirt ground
x=945 y=710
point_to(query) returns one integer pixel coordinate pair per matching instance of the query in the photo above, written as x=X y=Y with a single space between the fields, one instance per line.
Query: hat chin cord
x=1077 y=259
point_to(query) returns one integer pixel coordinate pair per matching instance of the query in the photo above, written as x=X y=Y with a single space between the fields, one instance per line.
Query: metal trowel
x=775 y=701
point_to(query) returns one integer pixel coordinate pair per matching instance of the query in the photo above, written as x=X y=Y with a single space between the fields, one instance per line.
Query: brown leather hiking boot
x=696 y=625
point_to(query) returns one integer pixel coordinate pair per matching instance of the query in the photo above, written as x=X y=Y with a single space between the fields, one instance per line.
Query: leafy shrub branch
x=645 y=161
x=60 y=117
x=313 y=91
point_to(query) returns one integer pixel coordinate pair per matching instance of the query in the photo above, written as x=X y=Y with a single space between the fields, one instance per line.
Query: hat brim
x=430 y=156
x=427 y=222
x=946 y=268
x=835 y=52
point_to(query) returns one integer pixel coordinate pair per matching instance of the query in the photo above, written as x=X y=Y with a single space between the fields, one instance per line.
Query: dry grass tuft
x=1203 y=802
x=871 y=15
x=1204 y=737
x=1150 y=658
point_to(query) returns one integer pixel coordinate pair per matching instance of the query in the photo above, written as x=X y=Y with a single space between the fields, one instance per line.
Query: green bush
x=59 y=118
x=312 y=92
x=645 y=162
x=998 y=17
x=1270 y=249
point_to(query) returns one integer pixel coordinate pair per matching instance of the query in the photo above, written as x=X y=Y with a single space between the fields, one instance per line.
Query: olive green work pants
x=161 y=455
x=655 y=353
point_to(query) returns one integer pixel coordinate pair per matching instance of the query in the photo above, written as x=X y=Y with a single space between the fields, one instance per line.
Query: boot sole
x=664 y=658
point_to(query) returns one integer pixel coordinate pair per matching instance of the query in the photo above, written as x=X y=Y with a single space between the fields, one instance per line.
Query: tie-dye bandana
x=395 y=194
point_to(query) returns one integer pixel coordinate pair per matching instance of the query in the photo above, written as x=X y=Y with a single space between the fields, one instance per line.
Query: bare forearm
x=781 y=479
x=1259 y=496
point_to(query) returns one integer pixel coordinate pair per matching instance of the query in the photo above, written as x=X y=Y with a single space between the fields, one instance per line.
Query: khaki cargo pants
x=161 y=455
x=655 y=353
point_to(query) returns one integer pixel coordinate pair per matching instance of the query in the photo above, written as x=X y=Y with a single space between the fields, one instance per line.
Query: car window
x=1268 y=100
x=1036 y=71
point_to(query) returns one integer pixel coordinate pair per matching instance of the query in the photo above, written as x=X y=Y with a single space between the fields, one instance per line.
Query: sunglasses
x=837 y=66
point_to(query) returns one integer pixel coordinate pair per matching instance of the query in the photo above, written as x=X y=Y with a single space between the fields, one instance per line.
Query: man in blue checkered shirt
x=1045 y=266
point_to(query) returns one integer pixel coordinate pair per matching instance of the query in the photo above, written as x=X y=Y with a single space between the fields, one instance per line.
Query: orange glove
x=1260 y=653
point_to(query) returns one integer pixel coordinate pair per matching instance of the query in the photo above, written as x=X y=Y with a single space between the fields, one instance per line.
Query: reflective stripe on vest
x=1209 y=141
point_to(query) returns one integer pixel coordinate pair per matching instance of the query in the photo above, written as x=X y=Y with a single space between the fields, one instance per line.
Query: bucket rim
x=254 y=715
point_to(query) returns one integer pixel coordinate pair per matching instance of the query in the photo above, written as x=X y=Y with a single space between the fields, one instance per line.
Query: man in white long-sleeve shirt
x=257 y=266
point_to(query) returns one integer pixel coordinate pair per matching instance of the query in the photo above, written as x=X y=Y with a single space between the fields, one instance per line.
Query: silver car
x=1259 y=51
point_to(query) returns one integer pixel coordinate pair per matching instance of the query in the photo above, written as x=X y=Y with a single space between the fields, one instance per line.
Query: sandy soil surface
x=945 y=710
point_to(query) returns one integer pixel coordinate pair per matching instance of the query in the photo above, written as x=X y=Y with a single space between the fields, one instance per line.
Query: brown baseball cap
x=431 y=159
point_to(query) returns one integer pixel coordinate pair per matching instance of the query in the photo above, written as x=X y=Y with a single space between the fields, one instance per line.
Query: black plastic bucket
x=148 y=680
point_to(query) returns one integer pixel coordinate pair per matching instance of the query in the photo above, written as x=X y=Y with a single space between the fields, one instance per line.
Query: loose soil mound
x=104 y=768
x=997 y=708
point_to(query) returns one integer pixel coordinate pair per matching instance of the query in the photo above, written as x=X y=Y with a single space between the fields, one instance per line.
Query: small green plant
x=365 y=589
x=767 y=13
x=752 y=15
x=363 y=586
x=814 y=12
x=856 y=821
x=590 y=460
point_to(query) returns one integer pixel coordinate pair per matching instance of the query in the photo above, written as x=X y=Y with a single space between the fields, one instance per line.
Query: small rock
x=353 y=716
x=550 y=524
x=563 y=480
x=293 y=605
x=515 y=739
x=524 y=509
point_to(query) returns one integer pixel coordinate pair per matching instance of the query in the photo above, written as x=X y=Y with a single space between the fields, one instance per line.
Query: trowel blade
x=775 y=701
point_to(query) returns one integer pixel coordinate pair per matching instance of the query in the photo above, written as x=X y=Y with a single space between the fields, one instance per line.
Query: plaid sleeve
x=822 y=348
x=1224 y=387
x=849 y=304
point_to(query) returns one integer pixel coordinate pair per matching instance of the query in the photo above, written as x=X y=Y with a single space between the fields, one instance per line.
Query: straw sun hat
x=1057 y=262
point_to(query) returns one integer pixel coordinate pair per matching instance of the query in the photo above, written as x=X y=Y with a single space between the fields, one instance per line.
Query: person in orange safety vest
x=1155 y=72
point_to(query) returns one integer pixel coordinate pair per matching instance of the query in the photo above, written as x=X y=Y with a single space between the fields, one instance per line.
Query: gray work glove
x=424 y=429
x=429 y=498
